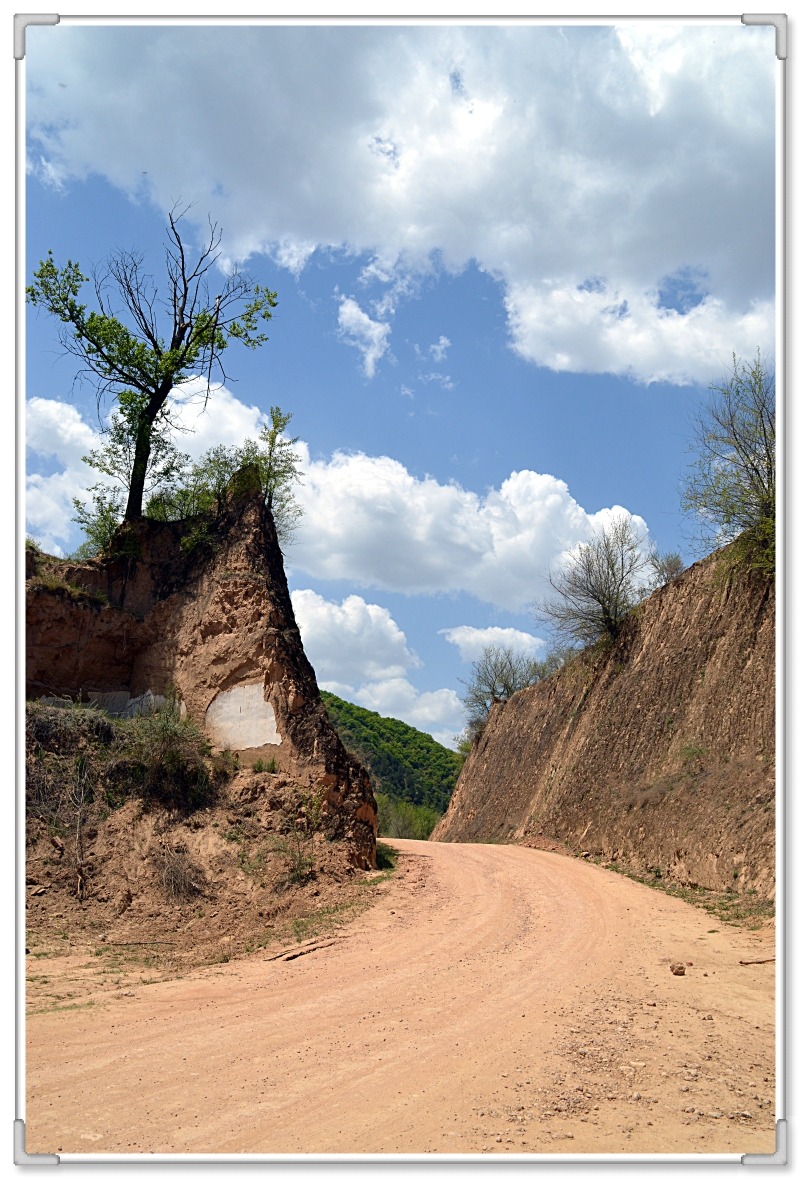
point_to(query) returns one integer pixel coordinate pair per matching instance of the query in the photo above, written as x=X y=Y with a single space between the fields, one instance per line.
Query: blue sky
x=508 y=264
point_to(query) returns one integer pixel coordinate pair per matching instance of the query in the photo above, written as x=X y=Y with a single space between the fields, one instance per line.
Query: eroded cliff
x=212 y=621
x=658 y=753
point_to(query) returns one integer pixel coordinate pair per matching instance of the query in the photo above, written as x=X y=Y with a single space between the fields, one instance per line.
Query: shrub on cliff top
x=731 y=487
x=598 y=585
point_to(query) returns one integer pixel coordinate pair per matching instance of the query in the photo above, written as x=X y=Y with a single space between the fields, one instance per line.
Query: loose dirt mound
x=138 y=836
x=177 y=892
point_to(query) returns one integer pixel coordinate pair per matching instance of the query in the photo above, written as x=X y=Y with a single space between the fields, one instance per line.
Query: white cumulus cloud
x=628 y=333
x=439 y=713
x=368 y=335
x=370 y=521
x=367 y=519
x=552 y=157
x=471 y=640
x=351 y=642
x=56 y=432
x=438 y=350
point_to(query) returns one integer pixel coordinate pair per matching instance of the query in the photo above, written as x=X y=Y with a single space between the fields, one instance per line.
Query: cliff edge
x=658 y=753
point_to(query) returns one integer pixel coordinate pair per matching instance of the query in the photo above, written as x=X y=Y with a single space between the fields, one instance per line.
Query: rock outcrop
x=210 y=620
x=658 y=753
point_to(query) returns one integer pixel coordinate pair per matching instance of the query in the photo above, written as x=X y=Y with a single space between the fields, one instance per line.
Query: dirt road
x=493 y=999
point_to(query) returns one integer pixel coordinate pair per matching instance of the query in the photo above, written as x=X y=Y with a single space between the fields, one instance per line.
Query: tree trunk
x=136 y=492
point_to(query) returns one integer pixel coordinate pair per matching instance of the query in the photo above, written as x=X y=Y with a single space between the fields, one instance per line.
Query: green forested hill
x=403 y=762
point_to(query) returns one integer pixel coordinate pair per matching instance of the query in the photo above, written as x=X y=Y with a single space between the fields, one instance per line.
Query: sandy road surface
x=493 y=999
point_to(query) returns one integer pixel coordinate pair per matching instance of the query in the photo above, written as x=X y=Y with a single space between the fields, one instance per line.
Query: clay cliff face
x=659 y=754
x=216 y=625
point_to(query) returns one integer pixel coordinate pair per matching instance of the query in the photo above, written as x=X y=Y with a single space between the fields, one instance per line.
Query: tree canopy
x=139 y=343
x=203 y=487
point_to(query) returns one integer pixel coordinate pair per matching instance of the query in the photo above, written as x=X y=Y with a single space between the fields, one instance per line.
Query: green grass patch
x=386 y=857
x=730 y=907
x=54 y=1007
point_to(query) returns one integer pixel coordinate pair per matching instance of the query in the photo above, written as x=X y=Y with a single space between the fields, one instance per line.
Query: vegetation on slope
x=412 y=774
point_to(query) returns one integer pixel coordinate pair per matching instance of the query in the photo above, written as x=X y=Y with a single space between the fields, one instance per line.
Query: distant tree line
x=405 y=765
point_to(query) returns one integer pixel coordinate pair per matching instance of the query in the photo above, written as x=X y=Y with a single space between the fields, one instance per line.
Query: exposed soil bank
x=211 y=621
x=658 y=753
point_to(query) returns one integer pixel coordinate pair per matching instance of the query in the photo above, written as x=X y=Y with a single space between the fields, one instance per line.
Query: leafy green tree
x=100 y=521
x=279 y=465
x=115 y=458
x=599 y=583
x=203 y=488
x=399 y=819
x=140 y=356
x=731 y=487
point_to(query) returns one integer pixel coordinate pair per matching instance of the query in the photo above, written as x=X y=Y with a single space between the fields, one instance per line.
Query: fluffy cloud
x=584 y=167
x=359 y=653
x=439 y=713
x=224 y=421
x=352 y=642
x=369 y=521
x=56 y=431
x=471 y=640
x=366 y=519
x=438 y=350
x=368 y=335
x=628 y=332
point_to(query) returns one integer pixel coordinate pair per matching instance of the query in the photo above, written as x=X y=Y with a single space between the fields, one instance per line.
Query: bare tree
x=731 y=487
x=496 y=675
x=122 y=347
x=666 y=567
x=599 y=583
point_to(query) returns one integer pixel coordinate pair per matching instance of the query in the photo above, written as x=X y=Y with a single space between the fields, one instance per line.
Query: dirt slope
x=494 y=999
x=658 y=753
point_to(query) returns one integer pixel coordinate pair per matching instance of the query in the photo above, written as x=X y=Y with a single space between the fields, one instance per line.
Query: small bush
x=297 y=849
x=386 y=857
x=169 y=761
x=297 y=844
x=692 y=754
x=63 y=728
x=50 y=583
x=180 y=878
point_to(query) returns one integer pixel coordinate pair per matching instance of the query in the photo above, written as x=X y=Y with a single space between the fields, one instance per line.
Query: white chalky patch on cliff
x=242 y=719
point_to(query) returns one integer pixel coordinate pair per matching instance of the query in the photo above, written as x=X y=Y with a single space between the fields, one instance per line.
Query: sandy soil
x=494 y=998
